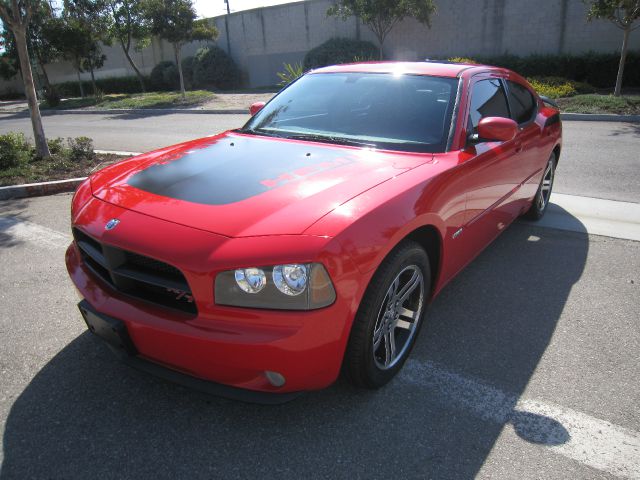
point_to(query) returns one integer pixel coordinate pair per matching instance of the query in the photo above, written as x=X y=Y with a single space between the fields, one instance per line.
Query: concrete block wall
x=261 y=40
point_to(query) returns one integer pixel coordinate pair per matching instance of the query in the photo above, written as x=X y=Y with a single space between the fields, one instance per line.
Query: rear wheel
x=389 y=317
x=543 y=195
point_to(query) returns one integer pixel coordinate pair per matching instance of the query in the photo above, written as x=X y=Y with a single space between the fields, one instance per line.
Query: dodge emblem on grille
x=111 y=224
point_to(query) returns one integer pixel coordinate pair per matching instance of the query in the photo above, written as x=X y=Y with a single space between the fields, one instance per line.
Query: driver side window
x=488 y=99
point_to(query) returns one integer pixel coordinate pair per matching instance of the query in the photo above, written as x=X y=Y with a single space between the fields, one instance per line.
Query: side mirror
x=499 y=129
x=256 y=107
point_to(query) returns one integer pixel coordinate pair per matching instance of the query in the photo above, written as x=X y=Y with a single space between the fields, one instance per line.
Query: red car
x=262 y=262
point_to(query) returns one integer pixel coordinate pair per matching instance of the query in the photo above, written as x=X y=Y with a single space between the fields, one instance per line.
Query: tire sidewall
x=536 y=212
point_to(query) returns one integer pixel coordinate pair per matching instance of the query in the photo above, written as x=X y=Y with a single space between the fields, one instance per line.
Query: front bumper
x=114 y=333
x=230 y=346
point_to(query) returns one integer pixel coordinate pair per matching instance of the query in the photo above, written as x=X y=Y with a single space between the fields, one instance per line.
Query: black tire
x=541 y=200
x=364 y=364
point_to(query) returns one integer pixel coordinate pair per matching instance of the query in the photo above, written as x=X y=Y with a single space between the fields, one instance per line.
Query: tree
x=175 y=21
x=623 y=14
x=16 y=15
x=129 y=25
x=39 y=45
x=382 y=15
x=88 y=21
x=70 y=39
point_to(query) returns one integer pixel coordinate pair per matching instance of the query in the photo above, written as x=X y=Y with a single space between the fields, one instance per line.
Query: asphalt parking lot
x=527 y=368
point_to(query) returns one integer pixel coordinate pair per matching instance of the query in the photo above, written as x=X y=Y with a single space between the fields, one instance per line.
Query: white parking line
x=593 y=215
x=588 y=440
x=34 y=233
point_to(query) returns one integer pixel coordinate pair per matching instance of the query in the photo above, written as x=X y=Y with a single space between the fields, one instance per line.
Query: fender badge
x=111 y=224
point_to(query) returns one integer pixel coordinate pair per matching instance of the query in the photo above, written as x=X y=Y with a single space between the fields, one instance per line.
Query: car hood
x=244 y=185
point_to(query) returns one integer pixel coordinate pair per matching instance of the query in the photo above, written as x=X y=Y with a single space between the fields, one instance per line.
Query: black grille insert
x=136 y=275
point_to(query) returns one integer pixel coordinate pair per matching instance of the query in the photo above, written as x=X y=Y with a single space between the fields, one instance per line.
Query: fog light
x=275 y=379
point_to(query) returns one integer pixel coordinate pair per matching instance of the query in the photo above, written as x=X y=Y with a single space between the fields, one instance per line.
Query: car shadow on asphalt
x=11 y=213
x=626 y=129
x=85 y=415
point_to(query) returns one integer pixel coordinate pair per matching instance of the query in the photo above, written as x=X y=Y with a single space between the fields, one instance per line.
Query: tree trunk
x=623 y=58
x=380 y=38
x=29 y=89
x=176 y=49
x=47 y=82
x=93 y=80
x=134 y=66
x=80 y=83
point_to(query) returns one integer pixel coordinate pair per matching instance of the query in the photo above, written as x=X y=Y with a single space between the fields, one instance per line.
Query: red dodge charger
x=262 y=262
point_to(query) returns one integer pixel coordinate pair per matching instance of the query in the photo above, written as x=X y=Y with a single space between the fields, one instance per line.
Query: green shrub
x=14 y=150
x=213 y=68
x=339 y=50
x=164 y=76
x=462 y=60
x=106 y=85
x=553 y=90
x=187 y=71
x=56 y=146
x=597 y=69
x=81 y=148
x=557 y=87
x=291 y=73
x=51 y=96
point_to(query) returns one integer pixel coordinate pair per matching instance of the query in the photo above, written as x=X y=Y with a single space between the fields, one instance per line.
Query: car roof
x=438 y=69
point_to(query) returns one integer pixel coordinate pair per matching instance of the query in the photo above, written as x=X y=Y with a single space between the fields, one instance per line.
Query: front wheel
x=389 y=317
x=543 y=195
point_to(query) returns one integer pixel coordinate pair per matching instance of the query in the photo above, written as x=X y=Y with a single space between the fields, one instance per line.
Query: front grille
x=136 y=275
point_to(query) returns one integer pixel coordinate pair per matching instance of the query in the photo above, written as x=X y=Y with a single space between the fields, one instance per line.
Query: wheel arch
x=428 y=237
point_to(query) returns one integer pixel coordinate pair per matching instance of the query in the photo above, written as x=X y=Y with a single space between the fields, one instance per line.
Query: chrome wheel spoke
x=389 y=347
x=408 y=289
x=404 y=324
x=405 y=312
x=377 y=337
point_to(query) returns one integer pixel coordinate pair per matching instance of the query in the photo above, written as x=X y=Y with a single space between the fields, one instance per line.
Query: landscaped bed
x=136 y=100
x=19 y=164
x=596 y=103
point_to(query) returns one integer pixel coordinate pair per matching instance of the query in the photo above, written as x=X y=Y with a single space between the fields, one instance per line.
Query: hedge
x=339 y=50
x=106 y=85
x=597 y=69
x=165 y=76
x=214 y=68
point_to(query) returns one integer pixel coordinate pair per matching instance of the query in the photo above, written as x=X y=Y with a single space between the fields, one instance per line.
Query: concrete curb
x=599 y=117
x=51 y=188
x=120 y=153
x=40 y=189
x=135 y=111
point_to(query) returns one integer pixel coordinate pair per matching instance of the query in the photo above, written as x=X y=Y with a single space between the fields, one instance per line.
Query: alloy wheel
x=398 y=317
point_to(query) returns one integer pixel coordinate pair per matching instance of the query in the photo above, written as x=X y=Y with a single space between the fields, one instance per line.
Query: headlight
x=290 y=279
x=281 y=287
x=250 y=280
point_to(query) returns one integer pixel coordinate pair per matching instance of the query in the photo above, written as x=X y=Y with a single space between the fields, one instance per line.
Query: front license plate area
x=109 y=329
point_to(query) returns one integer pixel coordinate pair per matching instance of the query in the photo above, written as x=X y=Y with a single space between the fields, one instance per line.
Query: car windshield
x=387 y=111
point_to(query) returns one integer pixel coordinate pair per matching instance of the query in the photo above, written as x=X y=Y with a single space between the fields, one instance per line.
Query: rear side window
x=488 y=99
x=523 y=104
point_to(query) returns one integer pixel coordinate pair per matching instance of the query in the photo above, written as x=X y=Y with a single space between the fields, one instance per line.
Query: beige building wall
x=261 y=40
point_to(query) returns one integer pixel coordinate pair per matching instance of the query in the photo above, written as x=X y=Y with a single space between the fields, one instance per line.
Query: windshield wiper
x=259 y=131
x=329 y=139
